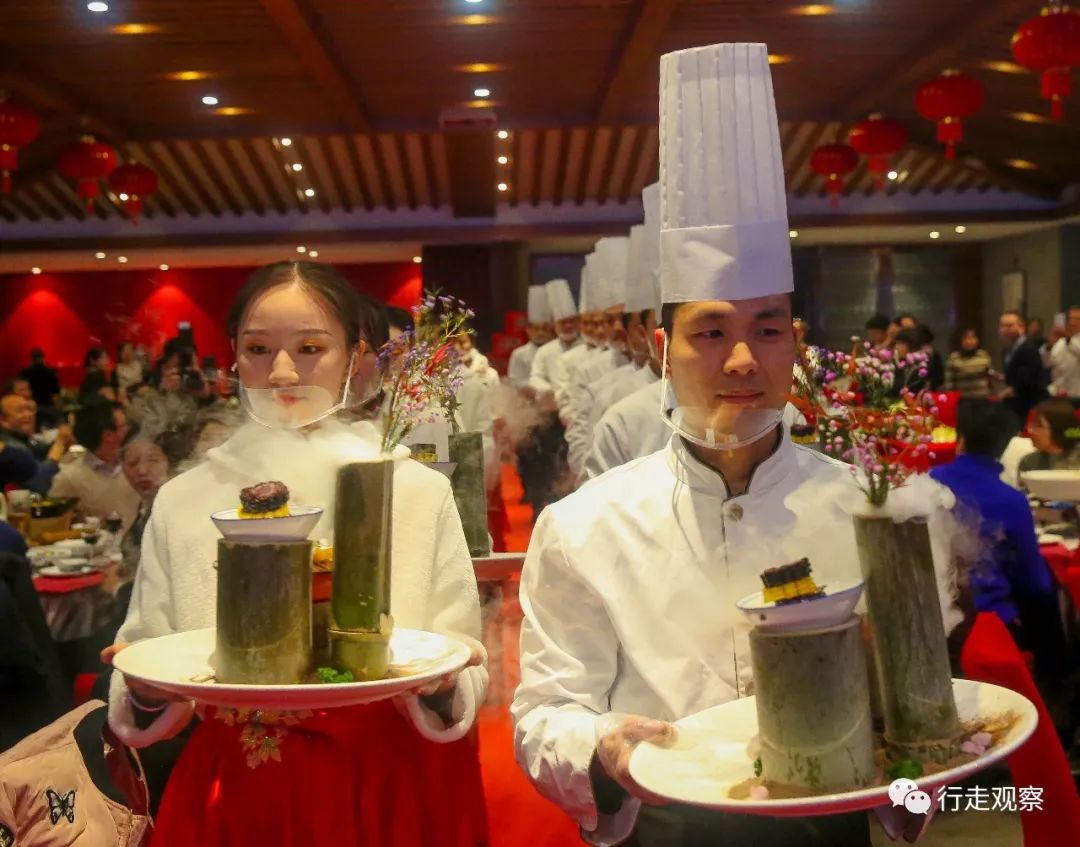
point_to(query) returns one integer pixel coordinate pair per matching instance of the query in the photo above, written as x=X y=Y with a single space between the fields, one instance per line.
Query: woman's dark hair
x=986 y=427
x=120 y=347
x=1060 y=417
x=398 y=317
x=911 y=337
x=878 y=322
x=92 y=355
x=325 y=282
x=374 y=326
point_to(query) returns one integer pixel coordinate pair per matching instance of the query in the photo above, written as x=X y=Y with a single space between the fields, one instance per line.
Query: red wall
x=67 y=313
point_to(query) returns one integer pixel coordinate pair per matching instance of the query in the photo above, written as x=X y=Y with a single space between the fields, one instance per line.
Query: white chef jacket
x=589 y=406
x=519 y=368
x=566 y=369
x=475 y=415
x=604 y=363
x=630 y=429
x=543 y=366
x=1065 y=367
x=629 y=590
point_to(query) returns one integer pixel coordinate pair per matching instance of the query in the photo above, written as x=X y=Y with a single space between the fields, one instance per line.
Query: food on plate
x=789 y=583
x=264 y=500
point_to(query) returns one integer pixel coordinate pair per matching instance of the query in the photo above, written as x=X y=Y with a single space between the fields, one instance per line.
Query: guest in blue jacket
x=1010 y=578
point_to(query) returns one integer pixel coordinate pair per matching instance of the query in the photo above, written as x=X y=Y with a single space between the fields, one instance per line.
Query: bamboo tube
x=470 y=493
x=914 y=677
x=360 y=622
x=813 y=706
x=263 y=612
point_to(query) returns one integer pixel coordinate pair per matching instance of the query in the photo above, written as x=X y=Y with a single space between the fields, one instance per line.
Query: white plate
x=709 y=757
x=54 y=571
x=296 y=527
x=173 y=661
x=1053 y=485
x=832 y=609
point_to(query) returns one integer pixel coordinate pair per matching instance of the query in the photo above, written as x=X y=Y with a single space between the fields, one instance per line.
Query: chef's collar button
x=735 y=512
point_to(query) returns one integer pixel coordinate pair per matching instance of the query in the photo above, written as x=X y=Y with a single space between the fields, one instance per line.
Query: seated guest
x=96 y=385
x=146 y=468
x=17 y=430
x=877 y=331
x=934 y=364
x=129 y=370
x=98 y=479
x=1053 y=430
x=20 y=387
x=1010 y=578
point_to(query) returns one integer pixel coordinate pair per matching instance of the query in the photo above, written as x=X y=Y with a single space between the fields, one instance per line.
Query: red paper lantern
x=878 y=139
x=948 y=99
x=86 y=162
x=18 y=127
x=1050 y=44
x=135 y=181
x=834 y=161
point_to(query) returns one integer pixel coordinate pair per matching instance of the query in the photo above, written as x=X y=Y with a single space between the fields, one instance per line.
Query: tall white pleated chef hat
x=650 y=200
x=612 y=263
x=539 y=309
x=638 y=279
x=723 y=211
x=724 y=229
x=588 y=276
x=560 y=300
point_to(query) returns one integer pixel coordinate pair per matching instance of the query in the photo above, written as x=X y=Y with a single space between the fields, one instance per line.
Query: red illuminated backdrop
x=66 y=313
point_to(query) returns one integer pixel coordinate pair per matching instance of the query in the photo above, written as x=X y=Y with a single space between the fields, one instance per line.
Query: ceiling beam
x=297 y=30
x=641 y=46
x=33 y=89
x=949 y=40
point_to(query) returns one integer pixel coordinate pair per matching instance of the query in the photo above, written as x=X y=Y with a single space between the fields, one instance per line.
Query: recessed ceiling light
x=482 y=92
x=136 y=29
x=778 y=59
x=417 y=259
x=474 y=20
x=286 y=142
x=233 y=111
x=163 y=267
x=474 y=1
x=793 y=233
x=188 y=76
x=961 y=229
x=35 y=270
x=894 y=174
x=98 y=7
x=502 y=186
x=122 y=260
x=1022 y=164
x=503 y=134
x=935 y=234
x=309 y=192
x=313 y=254
x=812 y=11
x=503 y=160
x=1005 y=67
x=1032 y=118
x=209 y=100
x=301 y=249
x=296 y=166
x=99 y=255
x=478 y=68
x=123 y=197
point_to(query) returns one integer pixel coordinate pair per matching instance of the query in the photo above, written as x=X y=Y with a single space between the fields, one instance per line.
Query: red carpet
x=517 y=815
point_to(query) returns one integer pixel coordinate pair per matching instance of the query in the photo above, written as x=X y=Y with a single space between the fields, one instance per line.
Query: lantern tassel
x=950 y=151
x=1057 y=109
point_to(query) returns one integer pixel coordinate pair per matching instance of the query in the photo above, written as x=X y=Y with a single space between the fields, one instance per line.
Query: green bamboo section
x=813 y=705
x=360 y=622
x=263 y=613
x=914 y=677
x=470 y=494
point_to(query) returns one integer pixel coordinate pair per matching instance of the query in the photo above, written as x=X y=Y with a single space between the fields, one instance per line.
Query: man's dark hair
x=667 y=316
x=93 y=420
x=37 y=355
x=986 y=427
x=906 y=316
x=878 y=322
x=911 y=337
x=1016 y=313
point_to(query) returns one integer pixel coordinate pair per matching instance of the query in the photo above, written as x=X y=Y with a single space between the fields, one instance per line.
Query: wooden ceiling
x=359 y=86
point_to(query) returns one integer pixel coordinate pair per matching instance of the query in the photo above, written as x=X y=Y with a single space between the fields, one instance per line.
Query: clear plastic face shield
x=725 y=424
x=296 y=406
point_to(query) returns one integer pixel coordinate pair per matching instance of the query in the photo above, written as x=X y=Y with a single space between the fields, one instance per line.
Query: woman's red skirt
x=343 y=777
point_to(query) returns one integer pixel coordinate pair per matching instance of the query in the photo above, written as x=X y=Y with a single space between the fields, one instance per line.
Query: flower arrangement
x=422 y=367
x=870 y=413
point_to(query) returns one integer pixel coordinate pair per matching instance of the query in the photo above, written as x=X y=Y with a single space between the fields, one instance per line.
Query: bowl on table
x=1053 y=485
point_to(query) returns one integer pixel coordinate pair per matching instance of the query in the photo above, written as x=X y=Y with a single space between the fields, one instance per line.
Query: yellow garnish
x=282 y=512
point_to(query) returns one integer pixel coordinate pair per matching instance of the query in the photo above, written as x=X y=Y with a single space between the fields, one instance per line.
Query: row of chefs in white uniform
x=691 y=485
